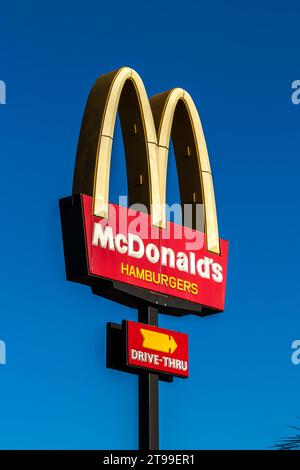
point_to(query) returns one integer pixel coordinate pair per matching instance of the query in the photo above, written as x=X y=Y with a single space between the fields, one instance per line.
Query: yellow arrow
x=158 y=341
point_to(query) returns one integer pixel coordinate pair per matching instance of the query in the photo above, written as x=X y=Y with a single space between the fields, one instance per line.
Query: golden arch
x=147 y=128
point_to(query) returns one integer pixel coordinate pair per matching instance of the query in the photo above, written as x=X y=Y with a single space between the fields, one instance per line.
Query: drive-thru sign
x=158 y=349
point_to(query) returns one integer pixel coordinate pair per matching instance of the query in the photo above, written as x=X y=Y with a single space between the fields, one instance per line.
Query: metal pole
x=148 y=394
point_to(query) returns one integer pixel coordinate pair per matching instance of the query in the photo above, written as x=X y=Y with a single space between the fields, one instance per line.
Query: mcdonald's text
x=134 y=246
x=167 y=267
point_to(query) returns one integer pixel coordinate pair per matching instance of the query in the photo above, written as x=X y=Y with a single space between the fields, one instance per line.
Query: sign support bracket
x=148 y=393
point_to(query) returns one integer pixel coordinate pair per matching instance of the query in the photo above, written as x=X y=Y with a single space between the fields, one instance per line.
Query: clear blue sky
x=238 y=63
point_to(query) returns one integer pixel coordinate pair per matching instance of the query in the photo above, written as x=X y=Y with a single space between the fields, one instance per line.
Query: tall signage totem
x=134 y=255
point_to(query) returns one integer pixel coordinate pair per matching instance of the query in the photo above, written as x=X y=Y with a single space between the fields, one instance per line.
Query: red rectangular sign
x=150 y=347
x=172 y=261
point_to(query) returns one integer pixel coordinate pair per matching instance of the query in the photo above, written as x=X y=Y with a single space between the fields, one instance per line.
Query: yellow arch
x=194 y=152
x=147 y=130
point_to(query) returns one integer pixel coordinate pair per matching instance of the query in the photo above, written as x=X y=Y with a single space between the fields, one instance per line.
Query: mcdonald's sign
x=135 y=254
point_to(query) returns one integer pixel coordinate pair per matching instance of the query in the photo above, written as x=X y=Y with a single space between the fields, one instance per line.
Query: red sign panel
x=150 y=347
x=172 y=261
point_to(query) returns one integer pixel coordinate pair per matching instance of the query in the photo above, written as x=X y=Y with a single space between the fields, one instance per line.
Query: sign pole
x=148 y=393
